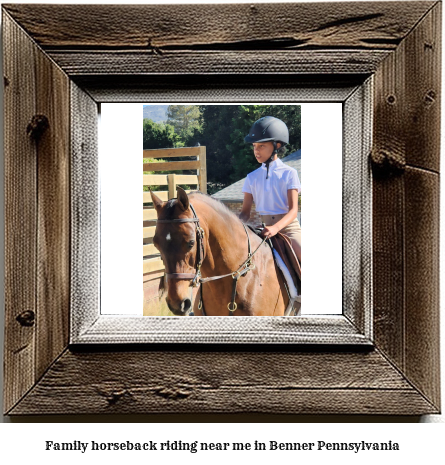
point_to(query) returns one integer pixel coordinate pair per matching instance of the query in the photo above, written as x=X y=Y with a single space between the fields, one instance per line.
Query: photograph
x=215 y=232
x=226 y=173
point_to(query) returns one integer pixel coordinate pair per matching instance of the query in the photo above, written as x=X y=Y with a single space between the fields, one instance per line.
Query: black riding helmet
x=268 y=129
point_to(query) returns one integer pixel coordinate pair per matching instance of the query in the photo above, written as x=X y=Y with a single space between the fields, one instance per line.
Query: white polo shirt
x=270 y=195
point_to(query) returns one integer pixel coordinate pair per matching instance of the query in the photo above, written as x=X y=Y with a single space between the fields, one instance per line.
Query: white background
x=24 y=443
x=120 y=158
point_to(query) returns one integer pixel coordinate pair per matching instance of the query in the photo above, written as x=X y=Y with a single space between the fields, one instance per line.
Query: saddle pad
x=293 y=291
x=283 y=246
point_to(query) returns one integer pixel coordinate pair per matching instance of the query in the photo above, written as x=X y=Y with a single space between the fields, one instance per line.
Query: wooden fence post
x=171 y=186
x=202 y=172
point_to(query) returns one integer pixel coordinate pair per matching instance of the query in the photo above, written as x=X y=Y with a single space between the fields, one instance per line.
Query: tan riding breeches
x=292 y=230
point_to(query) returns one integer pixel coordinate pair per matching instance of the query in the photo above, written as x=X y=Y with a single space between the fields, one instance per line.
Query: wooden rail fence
x=153 y=267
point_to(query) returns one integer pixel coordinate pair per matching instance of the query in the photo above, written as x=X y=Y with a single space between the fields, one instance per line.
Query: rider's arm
x=292 y=198
x=247 y=207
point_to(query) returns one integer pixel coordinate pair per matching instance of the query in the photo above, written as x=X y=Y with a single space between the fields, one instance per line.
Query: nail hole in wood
x=26 y=318
x=37 y=126
x=430 y=97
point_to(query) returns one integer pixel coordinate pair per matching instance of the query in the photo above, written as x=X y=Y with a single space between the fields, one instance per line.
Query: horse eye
x=191 y=244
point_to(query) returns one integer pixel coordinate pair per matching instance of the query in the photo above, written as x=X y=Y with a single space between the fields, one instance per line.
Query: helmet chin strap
x=269 y=160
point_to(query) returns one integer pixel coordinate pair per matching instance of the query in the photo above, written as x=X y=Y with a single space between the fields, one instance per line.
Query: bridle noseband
x=196 y=278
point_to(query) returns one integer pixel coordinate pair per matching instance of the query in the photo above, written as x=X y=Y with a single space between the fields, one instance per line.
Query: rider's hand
x=270 y=231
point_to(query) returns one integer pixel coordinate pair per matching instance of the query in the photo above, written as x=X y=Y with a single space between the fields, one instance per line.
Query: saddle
x=282 y=245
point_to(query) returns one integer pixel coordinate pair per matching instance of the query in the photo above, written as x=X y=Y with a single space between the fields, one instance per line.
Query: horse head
x=175 y=238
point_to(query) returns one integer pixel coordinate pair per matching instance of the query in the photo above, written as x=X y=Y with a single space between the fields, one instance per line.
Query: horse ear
x=183 y=200
x=157 y=202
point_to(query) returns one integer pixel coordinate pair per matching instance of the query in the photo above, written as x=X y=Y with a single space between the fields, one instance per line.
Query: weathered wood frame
x=75 y=57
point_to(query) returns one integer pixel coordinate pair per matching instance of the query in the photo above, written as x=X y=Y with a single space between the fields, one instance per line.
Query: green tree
x=214 y=132
x=184 y=118
x=159 y=136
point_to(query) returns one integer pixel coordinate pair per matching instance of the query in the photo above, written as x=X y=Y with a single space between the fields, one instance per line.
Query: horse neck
x=225 y=242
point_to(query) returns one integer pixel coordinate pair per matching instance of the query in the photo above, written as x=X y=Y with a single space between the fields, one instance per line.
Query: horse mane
x=217 y=205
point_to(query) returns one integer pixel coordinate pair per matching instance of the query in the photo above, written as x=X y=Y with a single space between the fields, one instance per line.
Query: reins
x=196 y=279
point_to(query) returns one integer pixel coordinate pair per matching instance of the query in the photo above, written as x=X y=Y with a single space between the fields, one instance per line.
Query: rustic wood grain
x=207 y=62
x=388 y=268
x=350 y=25
x=408 y=98
x=140 y=399
x=53 y=225
x=423 y=91
x=422 y=205
x=20 y=212
x=389 y=142
x=406 y=240
x=219 y=382
x=421 y=281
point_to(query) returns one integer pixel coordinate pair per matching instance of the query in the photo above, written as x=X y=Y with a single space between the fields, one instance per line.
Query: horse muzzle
x=181 y=308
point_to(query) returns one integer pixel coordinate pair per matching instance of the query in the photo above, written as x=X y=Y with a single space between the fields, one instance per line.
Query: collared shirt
x=270 y=195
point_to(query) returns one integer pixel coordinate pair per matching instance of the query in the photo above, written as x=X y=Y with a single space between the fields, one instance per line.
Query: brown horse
x=259 y=292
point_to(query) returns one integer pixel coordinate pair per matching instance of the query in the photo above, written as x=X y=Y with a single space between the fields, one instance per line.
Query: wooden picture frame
x=56 y=72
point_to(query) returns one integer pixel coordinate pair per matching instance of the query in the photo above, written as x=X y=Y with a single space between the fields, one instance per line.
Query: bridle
x=196 y=279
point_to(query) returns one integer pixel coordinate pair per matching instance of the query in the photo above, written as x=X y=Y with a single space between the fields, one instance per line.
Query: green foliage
x=159 y=136
x=184 y=119
x=214 y=133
